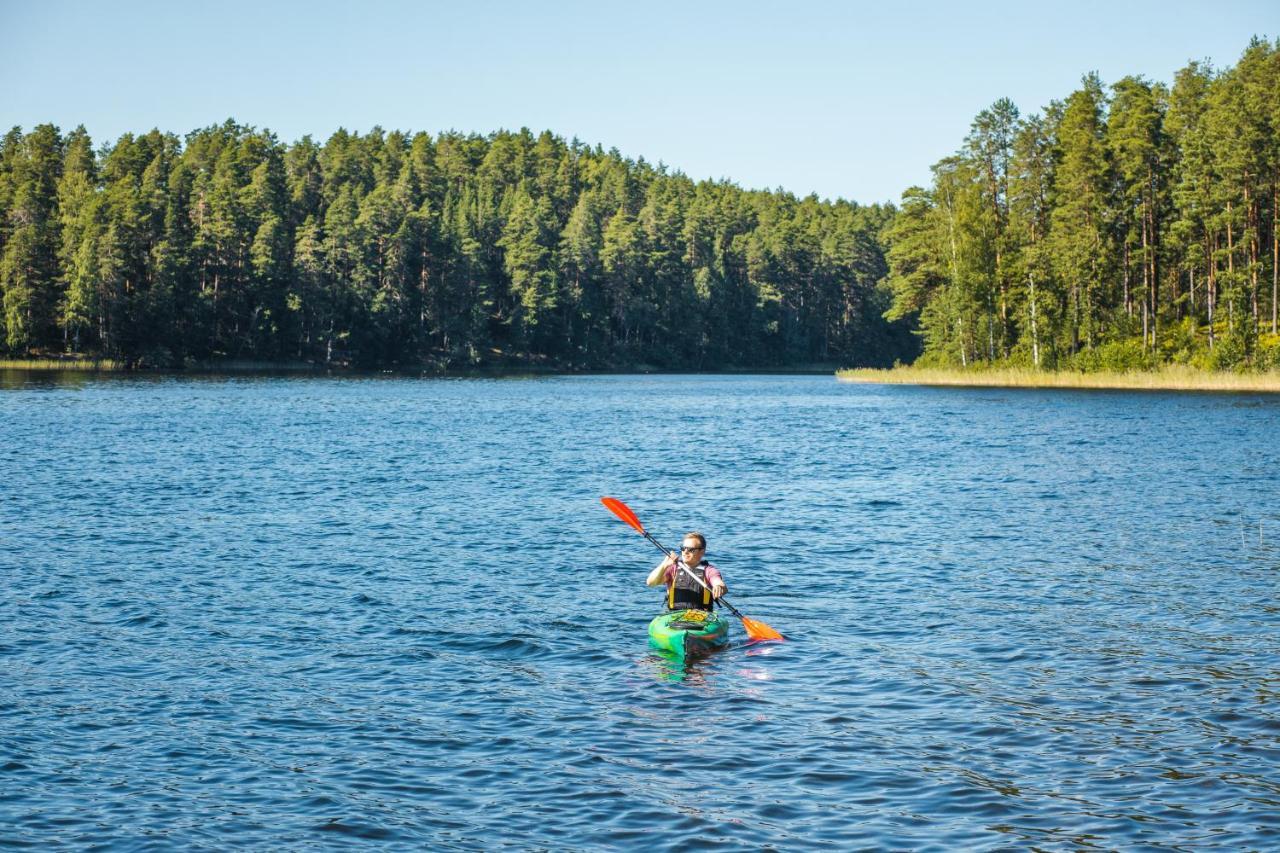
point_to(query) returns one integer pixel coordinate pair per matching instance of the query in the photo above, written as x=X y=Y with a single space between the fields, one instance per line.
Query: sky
x=846 y=100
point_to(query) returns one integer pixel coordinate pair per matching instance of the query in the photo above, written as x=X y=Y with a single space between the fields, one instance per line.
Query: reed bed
x=1169 y=378
x=60 y=364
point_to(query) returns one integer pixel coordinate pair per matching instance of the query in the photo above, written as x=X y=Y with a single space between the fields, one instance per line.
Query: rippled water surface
x=299 y=612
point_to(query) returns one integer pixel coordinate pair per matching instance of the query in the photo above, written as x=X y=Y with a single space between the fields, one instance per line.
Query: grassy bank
x=500 y=364
x=1169 y=378
x=107 y=365
x=60 y=364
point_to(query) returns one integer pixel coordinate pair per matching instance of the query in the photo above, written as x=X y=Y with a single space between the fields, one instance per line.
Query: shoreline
x=1168 y=378
x=302 y=368
x=89 y=365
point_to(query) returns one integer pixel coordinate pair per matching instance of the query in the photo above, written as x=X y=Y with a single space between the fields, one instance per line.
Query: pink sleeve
x=713 y=575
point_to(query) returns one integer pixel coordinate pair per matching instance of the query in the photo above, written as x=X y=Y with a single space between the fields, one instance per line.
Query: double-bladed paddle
x=755 y=629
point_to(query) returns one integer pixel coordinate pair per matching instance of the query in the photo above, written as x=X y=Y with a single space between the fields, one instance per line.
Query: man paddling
x=692 y=582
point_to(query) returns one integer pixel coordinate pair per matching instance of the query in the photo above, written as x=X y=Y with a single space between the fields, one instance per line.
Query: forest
x=418 y=251
x=1121 y=228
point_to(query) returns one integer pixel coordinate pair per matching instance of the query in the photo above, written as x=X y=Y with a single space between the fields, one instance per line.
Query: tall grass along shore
x=60 y=364
x=1168 y=378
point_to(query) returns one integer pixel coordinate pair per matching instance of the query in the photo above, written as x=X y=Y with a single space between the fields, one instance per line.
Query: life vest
x=685 y=593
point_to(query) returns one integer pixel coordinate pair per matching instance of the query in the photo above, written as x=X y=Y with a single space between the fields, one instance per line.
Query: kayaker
x=683 y=592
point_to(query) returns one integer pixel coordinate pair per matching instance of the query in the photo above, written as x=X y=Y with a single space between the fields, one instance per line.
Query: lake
x=297 y=612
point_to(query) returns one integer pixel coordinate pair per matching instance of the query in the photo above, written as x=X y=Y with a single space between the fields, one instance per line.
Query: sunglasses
x=687 y=548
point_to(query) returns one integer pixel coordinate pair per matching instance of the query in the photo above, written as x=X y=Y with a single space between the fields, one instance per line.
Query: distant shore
x=1169 y=378
x=108 y=365
x=104 y=364
x=490 y=368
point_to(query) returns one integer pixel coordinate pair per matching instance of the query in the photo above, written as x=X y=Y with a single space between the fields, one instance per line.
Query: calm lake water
x=297 y=612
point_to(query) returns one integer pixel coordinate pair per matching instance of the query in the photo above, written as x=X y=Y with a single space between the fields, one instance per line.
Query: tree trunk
x=1035 y=338
x=1231 y=272
x=1211 y=296
x=991 y=332
x=1148 y=273
x=1275 y=250
x=216 y=327
x=1128 y=305
x=1252 y=221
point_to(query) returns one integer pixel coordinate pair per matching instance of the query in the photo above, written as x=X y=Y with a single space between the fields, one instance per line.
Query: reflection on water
x=285 y=613
x=669 y=666
x=12 y=379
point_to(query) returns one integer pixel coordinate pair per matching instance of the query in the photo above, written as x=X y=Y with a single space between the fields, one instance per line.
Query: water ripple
x=310 y=613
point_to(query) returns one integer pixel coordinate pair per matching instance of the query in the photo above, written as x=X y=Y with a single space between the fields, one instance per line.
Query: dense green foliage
x=1116 y=230
x=446 y=251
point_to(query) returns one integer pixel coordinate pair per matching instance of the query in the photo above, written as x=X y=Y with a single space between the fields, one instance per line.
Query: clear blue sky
x=852 y=100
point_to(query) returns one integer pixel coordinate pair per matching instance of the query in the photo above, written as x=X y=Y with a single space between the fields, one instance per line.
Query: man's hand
x=718 y=588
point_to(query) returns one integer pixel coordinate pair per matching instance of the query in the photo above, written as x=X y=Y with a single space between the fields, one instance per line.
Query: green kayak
x=688 y=632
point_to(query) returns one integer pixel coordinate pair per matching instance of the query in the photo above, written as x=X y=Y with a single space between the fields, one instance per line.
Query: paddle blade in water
x=757 y=630
x=623 y=512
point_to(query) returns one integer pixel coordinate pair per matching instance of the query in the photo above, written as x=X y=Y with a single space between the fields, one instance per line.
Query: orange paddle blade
x=623 y=512
x=757 y=630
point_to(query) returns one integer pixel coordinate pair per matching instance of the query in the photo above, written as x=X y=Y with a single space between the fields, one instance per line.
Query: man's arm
x=659 y=574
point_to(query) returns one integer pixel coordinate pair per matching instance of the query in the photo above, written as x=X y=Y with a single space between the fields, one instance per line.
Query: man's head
x=693 y=546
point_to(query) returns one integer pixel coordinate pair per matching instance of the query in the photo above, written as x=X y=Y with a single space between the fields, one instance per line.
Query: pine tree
x=1030 y=189
x=29 y=273
x=1135 y=143
x=76 y=193
x=1079 y=236
x=620 y=257
x=1191 y=179
x=989 y=147
x=581 y=243
x=528 y=243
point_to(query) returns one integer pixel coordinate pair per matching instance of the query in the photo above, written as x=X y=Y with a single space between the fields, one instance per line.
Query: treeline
x=417 y=250
x=1117 y=229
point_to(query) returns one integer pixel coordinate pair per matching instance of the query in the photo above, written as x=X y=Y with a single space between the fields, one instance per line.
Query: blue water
x=298 y=612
